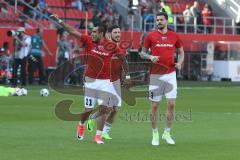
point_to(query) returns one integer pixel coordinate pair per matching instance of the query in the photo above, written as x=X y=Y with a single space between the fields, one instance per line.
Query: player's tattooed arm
x=180 y=58
x=127 y=81
x=144 y=55
x=124 y=64
x=67 y=27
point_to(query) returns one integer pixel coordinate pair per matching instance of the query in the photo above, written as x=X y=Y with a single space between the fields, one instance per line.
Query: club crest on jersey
x=164 y=38
x=100 y=47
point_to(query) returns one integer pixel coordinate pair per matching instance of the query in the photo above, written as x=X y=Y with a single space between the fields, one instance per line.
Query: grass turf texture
x=29 y=128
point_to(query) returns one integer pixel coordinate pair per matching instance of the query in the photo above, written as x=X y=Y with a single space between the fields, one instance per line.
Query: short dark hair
x=111 y=28
x=102 y=28
x=162 y=14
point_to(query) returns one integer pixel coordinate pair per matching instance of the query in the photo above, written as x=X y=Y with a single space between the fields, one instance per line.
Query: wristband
x=128 y=77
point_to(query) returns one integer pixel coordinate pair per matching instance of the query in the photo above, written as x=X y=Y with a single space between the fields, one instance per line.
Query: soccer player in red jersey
x=98 y=87
x=116 y=70
x=114 y=34
x=162 y=44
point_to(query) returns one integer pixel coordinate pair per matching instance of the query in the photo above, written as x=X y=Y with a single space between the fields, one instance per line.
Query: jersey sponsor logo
x=164 y=45
x=100 y=53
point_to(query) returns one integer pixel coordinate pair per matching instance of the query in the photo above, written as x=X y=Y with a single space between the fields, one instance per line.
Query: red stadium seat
x=9 y=20
x=56 y=3
x=71 y=13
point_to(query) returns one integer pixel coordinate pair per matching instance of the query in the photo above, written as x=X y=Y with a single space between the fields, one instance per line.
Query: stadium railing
x=220 y=25
x=17 y=11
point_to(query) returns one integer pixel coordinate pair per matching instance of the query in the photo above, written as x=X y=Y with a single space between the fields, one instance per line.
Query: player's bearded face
x=116 y=35
x=95 y=34
x=161 y=22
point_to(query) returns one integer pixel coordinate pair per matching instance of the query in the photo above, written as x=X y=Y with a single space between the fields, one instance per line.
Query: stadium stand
x=76 y=18
x=7 y=16
x=9 y=20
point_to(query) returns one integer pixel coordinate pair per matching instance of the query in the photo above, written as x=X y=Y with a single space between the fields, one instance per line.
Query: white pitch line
x=217 y=87
x=190 y=88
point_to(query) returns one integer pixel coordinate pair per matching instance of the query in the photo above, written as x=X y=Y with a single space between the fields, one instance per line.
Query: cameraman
x=35 y=57
x=22 y=43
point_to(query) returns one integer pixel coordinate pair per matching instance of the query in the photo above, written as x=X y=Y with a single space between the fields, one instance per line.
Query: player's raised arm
x=67 y=27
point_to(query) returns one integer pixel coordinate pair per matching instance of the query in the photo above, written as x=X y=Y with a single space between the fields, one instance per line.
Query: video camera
x=18 y=32
x=11 y=33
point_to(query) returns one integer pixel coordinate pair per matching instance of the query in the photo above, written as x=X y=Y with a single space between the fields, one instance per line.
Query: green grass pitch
x=207 y=127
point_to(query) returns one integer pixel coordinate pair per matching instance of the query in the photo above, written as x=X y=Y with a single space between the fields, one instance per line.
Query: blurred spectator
x=22 y=44
x=5 y=60
x=83 y=25
x=63 y=57
x=42 y=4
x=63 y=48
x=77 y=4
x=129 y=20
x=97 y=18
x=105 y=13
x=90 y=28
x=101 y=5
x=110 y=4
x=109 y=12
x=77 y=76
x=143 y=7
x=12 y=2
x=105 y=19
x=130 y=4
x=147 y=11
x=4 y=51
x=168 y=10
x=188 y=18
x=45 y=13
x=28 y=10
x=187 y=14
x=87 y=5
x=206 y=14
x=117 y=19
x=35 y=57
x=196 y=14
x=3 y=7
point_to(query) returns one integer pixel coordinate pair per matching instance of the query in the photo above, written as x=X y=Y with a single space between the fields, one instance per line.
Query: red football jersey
x=162 y=45
x=99 y=57
x=116 y=67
